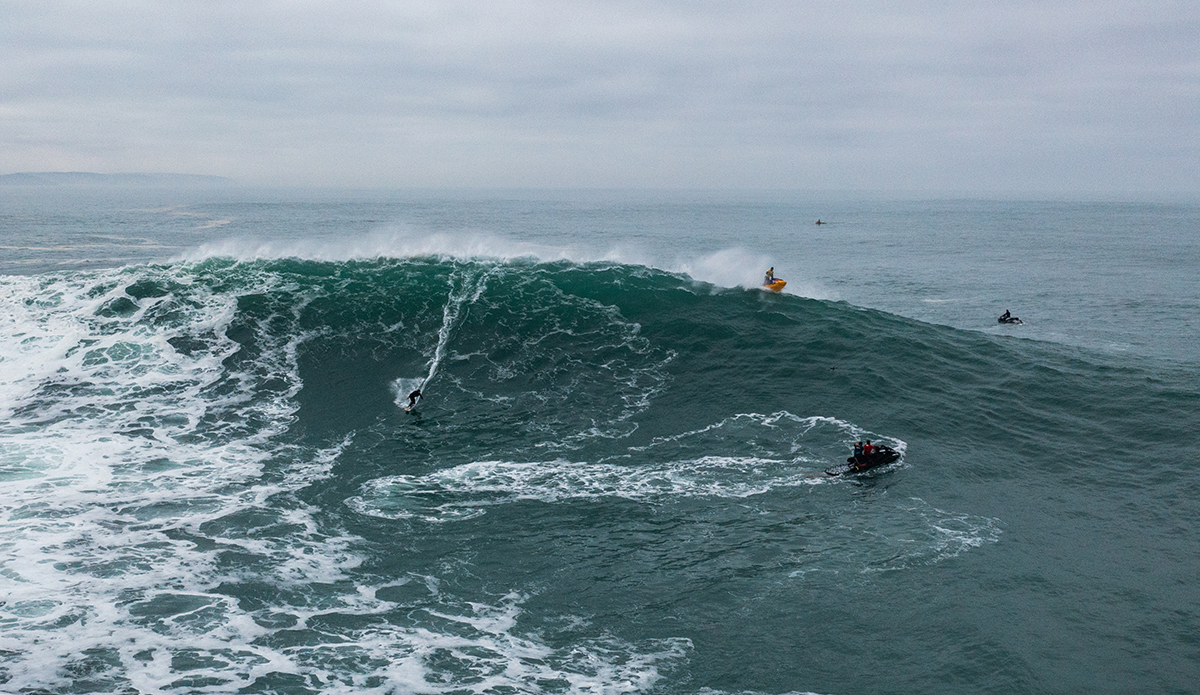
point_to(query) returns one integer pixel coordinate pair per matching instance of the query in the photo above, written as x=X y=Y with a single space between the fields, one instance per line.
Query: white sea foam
x=765 y=453
x=728 y=267
x=465 y=288
x=818 y=437
x=123 y=448
x=738 y=267
x=732 y=267
x=399 y=242
x=133 y=470
x=771 y=451
x=463 y=491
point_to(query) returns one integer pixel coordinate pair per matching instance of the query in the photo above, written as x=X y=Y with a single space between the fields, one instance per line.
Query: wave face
x=614 y=483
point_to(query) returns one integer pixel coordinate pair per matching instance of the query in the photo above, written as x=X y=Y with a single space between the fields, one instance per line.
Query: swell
x=209 y=454
x=558 y=342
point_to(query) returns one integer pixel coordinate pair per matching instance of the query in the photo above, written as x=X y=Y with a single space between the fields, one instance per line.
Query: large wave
x=196 y=454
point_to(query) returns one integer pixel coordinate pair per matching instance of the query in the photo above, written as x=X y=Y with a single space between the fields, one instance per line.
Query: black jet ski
x=863 y=462
x=1010 y=319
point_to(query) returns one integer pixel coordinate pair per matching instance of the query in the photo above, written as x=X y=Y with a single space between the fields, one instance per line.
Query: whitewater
x=615 y=482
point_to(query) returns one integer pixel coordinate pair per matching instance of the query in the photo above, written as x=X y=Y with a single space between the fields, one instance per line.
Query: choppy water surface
x=615 y=482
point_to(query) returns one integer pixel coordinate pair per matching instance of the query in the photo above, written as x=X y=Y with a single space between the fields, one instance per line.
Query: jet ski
x=775 y=286
x=1009 y=319
x=863 y=462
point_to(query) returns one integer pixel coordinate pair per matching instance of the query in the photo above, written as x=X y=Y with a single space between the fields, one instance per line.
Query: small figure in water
x=820 y=222
x=770 y=276
x=412 y=398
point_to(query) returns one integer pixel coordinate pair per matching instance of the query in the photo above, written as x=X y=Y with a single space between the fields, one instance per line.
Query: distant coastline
x=87 y=178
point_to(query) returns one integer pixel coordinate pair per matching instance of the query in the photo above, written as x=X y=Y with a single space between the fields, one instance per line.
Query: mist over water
x=616 y=480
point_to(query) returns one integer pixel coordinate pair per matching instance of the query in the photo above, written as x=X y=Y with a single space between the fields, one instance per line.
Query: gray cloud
x=1059 y=96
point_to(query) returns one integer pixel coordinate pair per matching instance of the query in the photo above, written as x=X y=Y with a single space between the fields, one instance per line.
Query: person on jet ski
x=770 y=278
x=869 y=448
x=858 y=449
x=1006 y=316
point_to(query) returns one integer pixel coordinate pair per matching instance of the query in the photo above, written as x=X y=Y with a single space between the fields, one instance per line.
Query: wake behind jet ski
x=1008 y=318
x=866 y=456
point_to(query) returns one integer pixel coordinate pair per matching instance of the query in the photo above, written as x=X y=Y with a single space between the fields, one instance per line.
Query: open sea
x=615 y=482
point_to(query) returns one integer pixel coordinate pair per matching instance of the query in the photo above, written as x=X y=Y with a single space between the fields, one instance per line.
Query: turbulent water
x=614 y=484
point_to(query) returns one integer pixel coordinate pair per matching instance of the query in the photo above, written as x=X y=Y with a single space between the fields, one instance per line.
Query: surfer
x=412 y=399
x=770 y=276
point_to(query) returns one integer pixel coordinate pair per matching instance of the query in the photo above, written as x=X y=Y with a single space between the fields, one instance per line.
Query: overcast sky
x=1054 y=96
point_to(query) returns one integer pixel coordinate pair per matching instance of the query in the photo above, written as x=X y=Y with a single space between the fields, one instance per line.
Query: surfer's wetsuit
x=412 y=397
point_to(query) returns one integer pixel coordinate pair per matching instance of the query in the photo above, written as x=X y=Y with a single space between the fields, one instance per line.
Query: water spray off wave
x=729 y=267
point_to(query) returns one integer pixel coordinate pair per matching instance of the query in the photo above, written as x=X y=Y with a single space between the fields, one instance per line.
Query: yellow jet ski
x=775 y=286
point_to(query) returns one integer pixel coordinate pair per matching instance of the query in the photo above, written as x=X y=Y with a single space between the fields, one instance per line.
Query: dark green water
x=614 y=484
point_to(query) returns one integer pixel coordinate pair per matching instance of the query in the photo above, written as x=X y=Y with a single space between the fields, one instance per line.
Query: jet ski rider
x=1006 y=316
x=770 y=278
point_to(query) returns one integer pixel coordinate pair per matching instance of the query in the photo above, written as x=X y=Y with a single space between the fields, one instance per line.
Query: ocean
x=615 y=480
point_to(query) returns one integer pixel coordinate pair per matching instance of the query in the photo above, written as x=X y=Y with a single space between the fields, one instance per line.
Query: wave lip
x=725 y=268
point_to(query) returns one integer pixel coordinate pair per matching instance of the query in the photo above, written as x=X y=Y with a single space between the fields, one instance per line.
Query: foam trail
x=776 y=450
x=467 y=291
